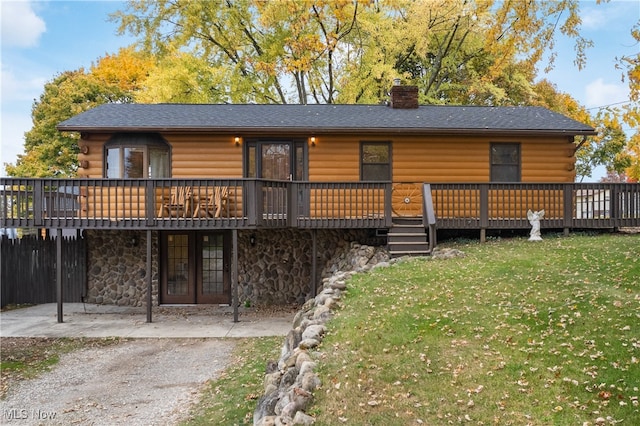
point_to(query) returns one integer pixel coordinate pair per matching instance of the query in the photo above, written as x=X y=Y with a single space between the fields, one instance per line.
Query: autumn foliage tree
x=631 y=111
x=334 y=51
x=328 y=51
x=345 y=51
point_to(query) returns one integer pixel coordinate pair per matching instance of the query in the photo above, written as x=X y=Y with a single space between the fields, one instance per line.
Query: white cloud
x=13 y=128
x=607 y=14
x=593 y=18
x=598 y=93
x=21 y=26
x=19 y=88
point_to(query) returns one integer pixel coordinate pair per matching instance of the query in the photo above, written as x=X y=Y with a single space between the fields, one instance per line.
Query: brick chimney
x=404 y=97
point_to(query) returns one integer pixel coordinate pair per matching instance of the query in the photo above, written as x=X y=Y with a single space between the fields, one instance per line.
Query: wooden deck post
x=149 y=281
x=59 y=293
x=484 y=211
x=568 y=208
x=234 y=273
x=251 y=197
x=38 y=202
x=388 y=212
x=314 y=261
x=150 y=206
x=292 y=204
x=614 y=207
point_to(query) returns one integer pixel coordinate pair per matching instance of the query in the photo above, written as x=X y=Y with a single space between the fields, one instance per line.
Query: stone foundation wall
x=117 y=268
x=274 y=270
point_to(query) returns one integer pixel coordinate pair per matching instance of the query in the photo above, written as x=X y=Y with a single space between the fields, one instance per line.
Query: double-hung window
x=375 y=161
x=505 y=162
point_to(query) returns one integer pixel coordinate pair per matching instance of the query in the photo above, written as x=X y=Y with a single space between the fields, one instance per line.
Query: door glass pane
x=251 y=161
x=276 y=161
x=300 y=171
x=178 y=265
x=212 y=264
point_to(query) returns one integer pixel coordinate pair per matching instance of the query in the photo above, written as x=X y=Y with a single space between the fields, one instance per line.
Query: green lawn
x=514 y=333
x=231 y=399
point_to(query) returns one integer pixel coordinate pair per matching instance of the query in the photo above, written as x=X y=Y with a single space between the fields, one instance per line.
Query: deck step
x=411 y=253
x=408 y=237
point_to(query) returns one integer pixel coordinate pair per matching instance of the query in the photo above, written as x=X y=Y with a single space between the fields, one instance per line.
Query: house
x=185 y=204
x=593 y=203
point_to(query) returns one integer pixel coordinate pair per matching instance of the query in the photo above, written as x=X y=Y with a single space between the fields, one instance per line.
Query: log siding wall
x=337 y=157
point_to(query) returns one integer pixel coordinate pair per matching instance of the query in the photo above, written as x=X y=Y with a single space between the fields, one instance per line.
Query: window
x=375 y=161
x=137 y=155
x=505 y=162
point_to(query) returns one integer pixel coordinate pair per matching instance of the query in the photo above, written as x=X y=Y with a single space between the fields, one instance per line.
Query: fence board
x=28 y=270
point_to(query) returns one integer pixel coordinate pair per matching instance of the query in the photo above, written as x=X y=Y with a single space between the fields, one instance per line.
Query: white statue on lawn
x=534 y=220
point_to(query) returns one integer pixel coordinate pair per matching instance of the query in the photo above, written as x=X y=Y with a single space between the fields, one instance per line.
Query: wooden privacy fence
x=28 y=270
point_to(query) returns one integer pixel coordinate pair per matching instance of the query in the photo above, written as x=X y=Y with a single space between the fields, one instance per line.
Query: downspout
x=576 y=148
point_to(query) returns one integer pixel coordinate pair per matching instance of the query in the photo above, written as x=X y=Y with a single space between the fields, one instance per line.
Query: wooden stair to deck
x=408 y=237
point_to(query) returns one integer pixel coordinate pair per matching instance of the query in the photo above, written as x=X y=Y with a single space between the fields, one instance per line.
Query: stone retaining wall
x=290 y=382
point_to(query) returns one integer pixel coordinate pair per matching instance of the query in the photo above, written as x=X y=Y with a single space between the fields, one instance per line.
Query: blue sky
x=43 y=38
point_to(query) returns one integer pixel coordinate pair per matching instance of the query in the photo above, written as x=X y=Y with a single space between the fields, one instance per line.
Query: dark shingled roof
x=320 y=119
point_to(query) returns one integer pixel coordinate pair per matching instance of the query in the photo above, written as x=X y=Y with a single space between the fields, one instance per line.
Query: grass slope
x=515 y=333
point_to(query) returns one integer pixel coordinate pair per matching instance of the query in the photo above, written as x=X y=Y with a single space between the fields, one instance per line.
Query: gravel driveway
x=135 y=382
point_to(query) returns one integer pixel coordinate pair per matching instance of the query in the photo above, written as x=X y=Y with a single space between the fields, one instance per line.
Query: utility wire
x=608 y=105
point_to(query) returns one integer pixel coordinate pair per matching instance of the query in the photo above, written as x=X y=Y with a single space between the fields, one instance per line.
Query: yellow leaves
x=633 y=148
x=127 y=69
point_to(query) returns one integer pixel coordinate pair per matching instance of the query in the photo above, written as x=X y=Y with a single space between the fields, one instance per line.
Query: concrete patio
x=87 y=320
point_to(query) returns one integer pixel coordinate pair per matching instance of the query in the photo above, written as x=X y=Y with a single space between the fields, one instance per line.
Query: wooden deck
x=164 y=204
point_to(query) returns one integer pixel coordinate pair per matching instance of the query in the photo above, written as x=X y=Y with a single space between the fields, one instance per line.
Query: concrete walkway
x=86 y=320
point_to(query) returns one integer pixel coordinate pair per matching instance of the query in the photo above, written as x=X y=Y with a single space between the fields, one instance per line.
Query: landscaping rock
x=314 y=332
x=289 y=391
x=303 y=419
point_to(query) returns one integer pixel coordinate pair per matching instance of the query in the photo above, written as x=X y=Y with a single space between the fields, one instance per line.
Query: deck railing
x=505 y=206
x=192 y=204
x=254 y=203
